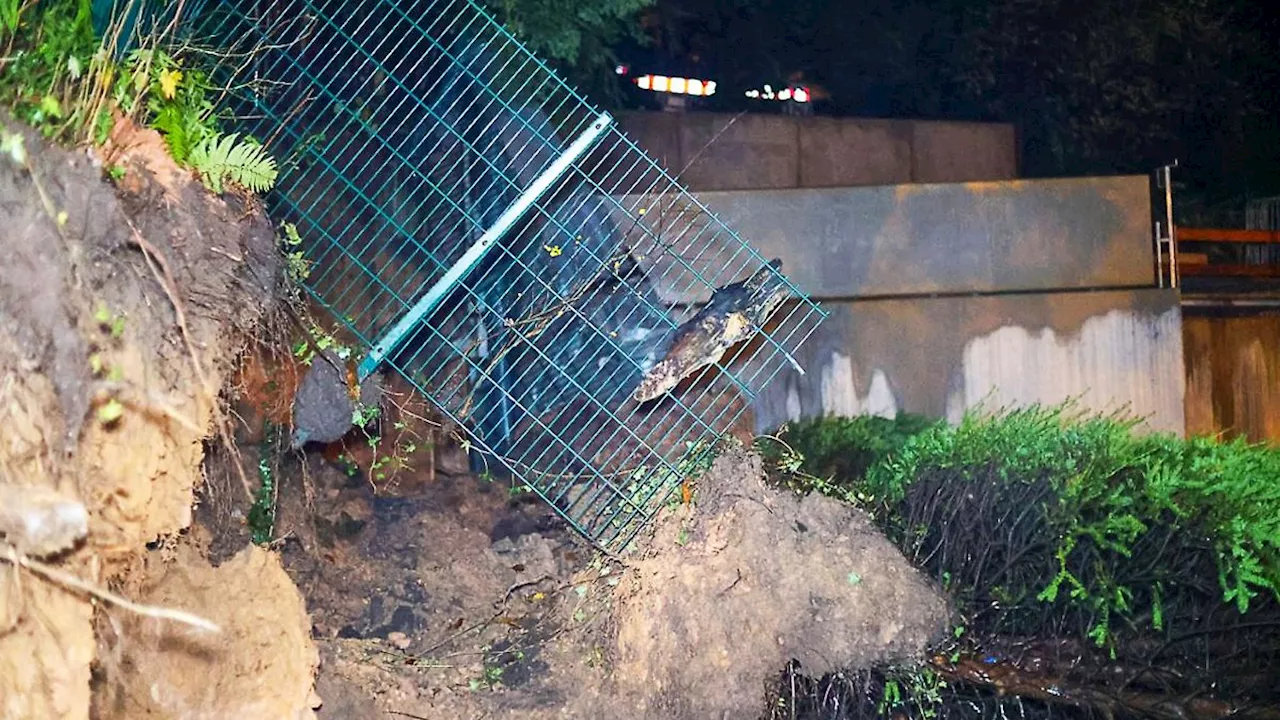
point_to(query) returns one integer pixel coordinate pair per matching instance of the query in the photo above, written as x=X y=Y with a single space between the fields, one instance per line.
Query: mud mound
x=260 y=665
x=122 y=308
x=753 y=578
x=452 y=601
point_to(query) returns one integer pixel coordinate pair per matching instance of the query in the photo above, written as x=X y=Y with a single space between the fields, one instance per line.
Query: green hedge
x=1095 y=504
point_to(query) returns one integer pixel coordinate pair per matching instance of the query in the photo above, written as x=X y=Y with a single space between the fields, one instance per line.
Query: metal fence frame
x=441 y=219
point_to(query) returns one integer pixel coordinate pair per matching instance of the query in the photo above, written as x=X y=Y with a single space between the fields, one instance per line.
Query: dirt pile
x=751 y=578
x=451 y=600
x=122 y=308
x=261 y=665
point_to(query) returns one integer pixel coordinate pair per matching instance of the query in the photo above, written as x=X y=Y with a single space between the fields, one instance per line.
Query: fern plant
x=222 y=158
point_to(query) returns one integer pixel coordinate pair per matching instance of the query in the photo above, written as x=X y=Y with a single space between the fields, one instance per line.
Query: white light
x=753 y=93
x=802 y=95
x=660 y=83
x=784 y=94
x=620 y=69
x=644 y=81
x=711 y=88
x=679 y=85
x=695 y=87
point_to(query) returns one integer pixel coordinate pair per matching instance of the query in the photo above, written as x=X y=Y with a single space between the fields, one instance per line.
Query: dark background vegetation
x=1095 y=87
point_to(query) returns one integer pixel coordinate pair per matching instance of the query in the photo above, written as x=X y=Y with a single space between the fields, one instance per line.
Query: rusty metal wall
x=1233 y=374
x=938 y=356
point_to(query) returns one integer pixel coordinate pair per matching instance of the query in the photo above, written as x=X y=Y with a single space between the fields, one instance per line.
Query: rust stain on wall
x=1233 y=375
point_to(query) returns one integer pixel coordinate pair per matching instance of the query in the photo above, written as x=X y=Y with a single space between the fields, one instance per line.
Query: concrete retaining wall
x=938 y=238
x=712 y=151
x=944 y=297
x=939 y=356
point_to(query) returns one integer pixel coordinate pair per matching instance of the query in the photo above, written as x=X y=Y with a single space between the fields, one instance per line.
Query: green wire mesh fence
x=499 y=242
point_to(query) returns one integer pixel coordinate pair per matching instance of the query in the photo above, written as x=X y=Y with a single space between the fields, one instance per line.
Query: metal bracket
x=441 y=288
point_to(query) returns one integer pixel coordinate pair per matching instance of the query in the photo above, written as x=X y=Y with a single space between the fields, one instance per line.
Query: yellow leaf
x=552 y=250
x=169 y=80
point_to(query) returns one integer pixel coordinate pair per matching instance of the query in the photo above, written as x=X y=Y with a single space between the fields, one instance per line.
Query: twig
x=528 y=583
x=460 y=633
x=709 y=143
x=71 y=582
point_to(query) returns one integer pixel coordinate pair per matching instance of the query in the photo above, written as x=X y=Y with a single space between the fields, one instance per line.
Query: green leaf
x=110 y=411
x=14 y=145
x=50 y=106
x=224 y=158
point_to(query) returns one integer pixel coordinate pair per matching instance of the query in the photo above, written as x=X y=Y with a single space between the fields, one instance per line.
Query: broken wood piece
x=734 y=313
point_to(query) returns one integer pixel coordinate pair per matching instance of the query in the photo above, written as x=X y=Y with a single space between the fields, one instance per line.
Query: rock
x=399 y=640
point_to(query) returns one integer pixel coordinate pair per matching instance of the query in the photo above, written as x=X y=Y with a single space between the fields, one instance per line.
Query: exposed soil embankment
x=123 y=306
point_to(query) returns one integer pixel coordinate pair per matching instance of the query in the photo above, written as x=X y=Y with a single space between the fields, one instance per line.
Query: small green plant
x=297 y=267
x=262 y=514
x=348 y=464
x=110 y=411
x=490 y=678
x=62 y=80
x=363 y=415
x=305 y=350
x=386 y=465
x=916 y=690
x=229 y=158
x=112 y=323
x=176 y=99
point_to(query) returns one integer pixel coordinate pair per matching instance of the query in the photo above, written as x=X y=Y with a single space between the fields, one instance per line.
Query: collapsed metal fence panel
x=498 y=241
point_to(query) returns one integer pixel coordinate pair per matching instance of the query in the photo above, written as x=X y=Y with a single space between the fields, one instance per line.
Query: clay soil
x=411 y=589
x=123 y=306
x=450 y=597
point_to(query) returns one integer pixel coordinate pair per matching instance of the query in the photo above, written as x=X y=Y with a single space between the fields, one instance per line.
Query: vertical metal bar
x=438 y=291
x=1166 y=233
x=1159 y=240
x=1173 y=231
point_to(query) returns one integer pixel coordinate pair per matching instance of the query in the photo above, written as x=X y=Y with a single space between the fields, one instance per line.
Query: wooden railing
x=1194 y=261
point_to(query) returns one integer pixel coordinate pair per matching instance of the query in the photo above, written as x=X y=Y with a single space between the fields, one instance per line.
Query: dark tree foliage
x=1095 y=87
x=576 y=36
